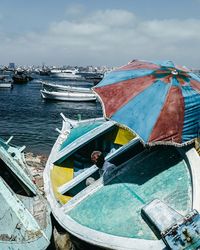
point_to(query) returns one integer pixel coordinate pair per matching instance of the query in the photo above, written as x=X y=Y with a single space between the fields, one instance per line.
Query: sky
x=99 y=33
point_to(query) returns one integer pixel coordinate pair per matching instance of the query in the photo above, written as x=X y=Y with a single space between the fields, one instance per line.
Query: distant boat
x=69 y=95
x=95 y=78
x=65 y=88
x=66 y=73
x=6 y=82
x=92 y=77
x=21 y=77
x=24 y=213
x=45 y=72
x=147 y=203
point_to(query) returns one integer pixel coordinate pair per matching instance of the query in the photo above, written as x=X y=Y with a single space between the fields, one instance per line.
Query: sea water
x=32 y=120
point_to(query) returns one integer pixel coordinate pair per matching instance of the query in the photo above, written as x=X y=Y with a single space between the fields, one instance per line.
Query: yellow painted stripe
x=60 y=176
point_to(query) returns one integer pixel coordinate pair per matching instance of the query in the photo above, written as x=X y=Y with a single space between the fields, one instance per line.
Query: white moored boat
x=68 y=95
x=64 y=88
x=6 y=82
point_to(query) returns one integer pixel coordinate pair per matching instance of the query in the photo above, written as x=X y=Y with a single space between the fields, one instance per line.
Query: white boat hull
x=67 y=74
x=68 y=96
x=56 y=87
x=5 y=85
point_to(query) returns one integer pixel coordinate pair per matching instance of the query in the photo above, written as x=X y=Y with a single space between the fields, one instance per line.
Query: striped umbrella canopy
x=159 y=101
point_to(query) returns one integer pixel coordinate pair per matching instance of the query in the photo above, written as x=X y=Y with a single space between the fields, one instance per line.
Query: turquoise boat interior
x=24 y=212
x=159 y=173
x=76 y=161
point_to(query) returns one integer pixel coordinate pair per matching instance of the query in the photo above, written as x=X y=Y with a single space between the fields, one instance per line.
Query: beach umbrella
x=159 y=101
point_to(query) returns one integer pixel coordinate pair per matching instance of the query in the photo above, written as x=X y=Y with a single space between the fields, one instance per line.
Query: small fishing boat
x=21 y=77
x=72 y=95
x=151 y=201
x=93 y=77
x=6 y=82
x=24 y=213
x=45 y=71
x=63 y=88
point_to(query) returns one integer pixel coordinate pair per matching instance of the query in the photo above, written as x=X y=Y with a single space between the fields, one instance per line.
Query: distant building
x=11 y=65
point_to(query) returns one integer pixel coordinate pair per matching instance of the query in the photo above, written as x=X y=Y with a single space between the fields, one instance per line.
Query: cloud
x=113 y=18
x=109 y=37
x=75 y=11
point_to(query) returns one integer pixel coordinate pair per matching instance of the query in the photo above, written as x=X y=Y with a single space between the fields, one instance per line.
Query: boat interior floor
x=115 y=207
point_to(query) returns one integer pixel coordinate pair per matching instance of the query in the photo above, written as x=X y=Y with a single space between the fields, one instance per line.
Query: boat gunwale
x=83 y=140
x=12 y=164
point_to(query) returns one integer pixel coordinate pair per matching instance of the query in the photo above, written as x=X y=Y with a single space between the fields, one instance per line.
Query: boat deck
x=116 y=207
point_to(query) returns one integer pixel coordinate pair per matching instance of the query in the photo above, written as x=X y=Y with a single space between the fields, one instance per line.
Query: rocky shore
x=36 y=165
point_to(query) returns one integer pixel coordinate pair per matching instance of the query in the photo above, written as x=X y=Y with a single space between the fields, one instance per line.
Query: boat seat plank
x=73 y=182
x=63 y=188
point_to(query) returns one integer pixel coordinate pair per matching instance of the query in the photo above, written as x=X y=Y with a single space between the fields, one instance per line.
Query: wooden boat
x=63 y=88
x=45 y=72
x=92 y=77
x=24 y=213
x=153 y=188
x=21 y=77
x=75 y=96
x=96 y=78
